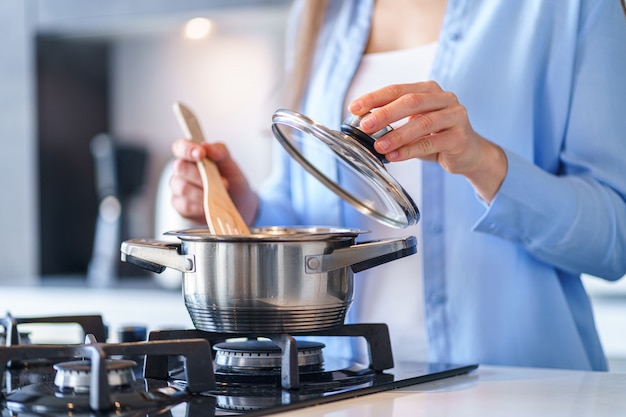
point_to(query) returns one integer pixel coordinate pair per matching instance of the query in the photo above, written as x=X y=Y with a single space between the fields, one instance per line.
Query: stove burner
x=75 y=376
x=290 y=372
x=264 y=355
x=45 y=398
x=249 y=375
x=104 y=382
x=179 y=379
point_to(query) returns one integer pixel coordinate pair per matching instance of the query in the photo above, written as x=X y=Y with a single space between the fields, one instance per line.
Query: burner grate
x=376 y=335
x=199 y=377
x=91 y=324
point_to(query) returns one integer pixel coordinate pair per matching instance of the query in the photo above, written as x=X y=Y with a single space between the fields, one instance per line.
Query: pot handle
x=362 y=256
x=156 y=255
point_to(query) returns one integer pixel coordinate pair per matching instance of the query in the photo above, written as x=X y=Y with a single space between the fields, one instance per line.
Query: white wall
x=18 y=156
x=223 y=78
x=229 y=79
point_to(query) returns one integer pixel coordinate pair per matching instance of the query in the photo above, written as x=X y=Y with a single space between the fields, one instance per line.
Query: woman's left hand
x=438 y=129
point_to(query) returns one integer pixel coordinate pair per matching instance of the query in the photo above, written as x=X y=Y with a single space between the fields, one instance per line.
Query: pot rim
x=271 y=234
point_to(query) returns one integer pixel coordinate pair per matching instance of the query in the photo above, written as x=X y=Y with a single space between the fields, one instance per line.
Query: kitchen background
x=86 y=89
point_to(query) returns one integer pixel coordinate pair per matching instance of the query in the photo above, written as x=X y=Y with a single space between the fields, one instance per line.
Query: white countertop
x=488 y=391
x=159 y=308
x=154 y=308
x=491 y=391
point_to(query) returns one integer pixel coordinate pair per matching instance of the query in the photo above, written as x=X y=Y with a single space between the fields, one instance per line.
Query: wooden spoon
x=222 y=216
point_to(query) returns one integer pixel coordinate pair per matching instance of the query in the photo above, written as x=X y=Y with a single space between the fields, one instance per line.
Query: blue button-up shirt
x=546 y=81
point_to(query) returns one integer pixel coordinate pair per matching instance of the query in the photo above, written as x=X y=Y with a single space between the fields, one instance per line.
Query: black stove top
x=195 y=373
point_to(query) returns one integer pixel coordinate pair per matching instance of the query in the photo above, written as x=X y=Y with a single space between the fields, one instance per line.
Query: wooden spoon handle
x=221 y=214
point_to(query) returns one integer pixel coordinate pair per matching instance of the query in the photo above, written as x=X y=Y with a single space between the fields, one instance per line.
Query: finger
x=187 y=197
x=452 y=148
x=182 y=186
x=412 y=105
x=436 y=147
x=186 y=171
x=420 y=126
x=423 y=148
x=228 y=167
x=378 y=98
x=218 y=153
x=188 y=150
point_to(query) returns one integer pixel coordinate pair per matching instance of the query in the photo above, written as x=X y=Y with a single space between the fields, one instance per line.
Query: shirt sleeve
x=275 y=202
x=575 y=219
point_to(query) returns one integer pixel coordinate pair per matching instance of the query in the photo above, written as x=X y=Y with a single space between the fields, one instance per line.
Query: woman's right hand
x=186 y=184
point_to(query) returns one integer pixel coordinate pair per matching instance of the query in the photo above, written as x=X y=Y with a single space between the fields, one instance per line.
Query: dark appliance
x=196 y=373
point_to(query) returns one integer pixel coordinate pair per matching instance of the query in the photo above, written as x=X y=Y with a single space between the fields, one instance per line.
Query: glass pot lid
x=360 y=177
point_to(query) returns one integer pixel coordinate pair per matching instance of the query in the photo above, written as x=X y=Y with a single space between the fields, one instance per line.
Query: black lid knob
x=351 y=127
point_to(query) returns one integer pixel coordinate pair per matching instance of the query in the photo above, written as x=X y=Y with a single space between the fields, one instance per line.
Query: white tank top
x=393 y=293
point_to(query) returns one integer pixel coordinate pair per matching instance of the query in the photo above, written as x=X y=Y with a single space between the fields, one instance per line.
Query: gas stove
x=192 y=372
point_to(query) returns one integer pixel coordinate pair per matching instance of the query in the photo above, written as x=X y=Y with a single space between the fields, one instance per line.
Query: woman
x=516 y=205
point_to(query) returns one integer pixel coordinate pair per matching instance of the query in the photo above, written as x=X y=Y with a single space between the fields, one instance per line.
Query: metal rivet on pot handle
x=313 y=263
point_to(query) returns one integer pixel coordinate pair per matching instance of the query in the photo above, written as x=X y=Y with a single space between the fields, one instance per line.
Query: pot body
x=276 y=280
x=262 y=287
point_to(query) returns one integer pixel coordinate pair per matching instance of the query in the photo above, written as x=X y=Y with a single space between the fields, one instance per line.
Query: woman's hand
x=186 y=184
x=437 y=129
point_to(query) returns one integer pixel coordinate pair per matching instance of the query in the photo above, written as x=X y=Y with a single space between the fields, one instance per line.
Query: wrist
x=488 y=175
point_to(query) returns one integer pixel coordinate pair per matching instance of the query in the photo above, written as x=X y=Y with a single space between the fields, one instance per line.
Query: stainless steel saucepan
x=275 y=280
